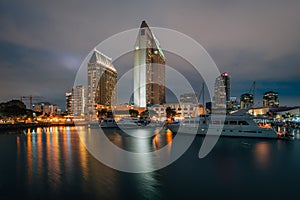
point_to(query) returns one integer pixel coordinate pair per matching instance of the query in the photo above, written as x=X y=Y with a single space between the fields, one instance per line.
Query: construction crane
x=31 y=99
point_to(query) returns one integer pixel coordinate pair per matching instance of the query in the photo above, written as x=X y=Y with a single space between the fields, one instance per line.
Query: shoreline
x=6 y=127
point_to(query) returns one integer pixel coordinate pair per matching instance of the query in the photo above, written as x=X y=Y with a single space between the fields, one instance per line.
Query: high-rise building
x=270 y=99
x=221 y=98
x=149 y=69
x=102 y=82
x=246 y=100
x=226 y=80
x=78 y=103
x=69 y=103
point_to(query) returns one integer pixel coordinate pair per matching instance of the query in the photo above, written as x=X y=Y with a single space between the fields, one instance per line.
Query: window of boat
x=204 y=121
x=203 y=115
x=215 y=122
x=233 y=122
x=250 y=131
x=243 y=123
x=186 y=121
x=226 y=122
x=193 y=122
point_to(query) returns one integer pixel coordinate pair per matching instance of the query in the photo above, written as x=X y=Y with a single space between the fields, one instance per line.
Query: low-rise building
x=45 y=108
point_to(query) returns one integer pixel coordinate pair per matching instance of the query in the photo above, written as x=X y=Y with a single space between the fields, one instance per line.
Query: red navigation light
x=225 y=74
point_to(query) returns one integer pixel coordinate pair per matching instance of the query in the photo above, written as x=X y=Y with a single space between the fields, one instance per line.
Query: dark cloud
x=42 y=43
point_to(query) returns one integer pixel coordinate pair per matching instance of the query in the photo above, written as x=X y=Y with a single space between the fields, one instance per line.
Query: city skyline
x=41 y=52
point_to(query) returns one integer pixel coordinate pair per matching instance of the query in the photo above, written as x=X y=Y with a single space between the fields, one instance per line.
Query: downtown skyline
x=43 y=43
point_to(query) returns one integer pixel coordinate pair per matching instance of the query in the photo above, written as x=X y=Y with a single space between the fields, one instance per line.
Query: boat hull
x=224 y=131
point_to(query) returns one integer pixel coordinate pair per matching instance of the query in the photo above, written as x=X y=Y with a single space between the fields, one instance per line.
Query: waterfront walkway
x=31 y=125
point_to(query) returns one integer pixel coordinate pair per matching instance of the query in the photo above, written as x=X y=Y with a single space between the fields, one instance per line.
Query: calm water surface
x=52 y=163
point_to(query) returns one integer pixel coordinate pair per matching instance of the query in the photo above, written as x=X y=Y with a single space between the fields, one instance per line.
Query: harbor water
x=53 y=163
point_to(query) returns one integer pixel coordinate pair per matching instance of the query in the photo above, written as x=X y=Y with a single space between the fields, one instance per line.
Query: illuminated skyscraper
x=226 y=80
x=78 y=102
x=102 y=81
x=149 y=69
x=69 y=103
x=221 y=99
x=271 y=99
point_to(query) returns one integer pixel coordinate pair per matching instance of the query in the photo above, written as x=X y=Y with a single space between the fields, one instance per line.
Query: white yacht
x=137 y=123
x=92 y=124
x=138 y=128
x=128 y=123
x=108 y=123
x=229 y=125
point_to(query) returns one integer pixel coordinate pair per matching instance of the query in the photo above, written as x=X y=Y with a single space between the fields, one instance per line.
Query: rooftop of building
x=105 y=61
x=156 y=43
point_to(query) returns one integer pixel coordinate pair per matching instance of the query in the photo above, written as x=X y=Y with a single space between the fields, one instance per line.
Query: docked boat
x=128 y=123
x=92 y=124
x=229 y=125
x=137 y=128
x=108 y=123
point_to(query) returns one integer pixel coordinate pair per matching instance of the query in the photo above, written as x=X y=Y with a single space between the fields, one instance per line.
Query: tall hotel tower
x=78 y=100
x=69 y=100
x=149 y=69
x=221 y=98
x=102 y=81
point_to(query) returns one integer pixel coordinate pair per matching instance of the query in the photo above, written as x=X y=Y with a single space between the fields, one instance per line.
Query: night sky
x=42 y=43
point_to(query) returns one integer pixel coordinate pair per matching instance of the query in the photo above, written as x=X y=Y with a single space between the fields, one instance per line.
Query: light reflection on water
x=53 y=163
x=123 y=151
x=262 y=155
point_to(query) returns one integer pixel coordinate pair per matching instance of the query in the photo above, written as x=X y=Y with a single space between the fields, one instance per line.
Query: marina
x=139 y=100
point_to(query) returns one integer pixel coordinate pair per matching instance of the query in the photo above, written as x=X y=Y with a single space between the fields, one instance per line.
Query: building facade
x=233 y=105
x=78 y=103
x=246 y=101
x=185 y=110
x=221 y=98
x=149 y=69
x=226 y=80
x=69 y=103
x=270 y=99
x=45 y=108
x=102 y=82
